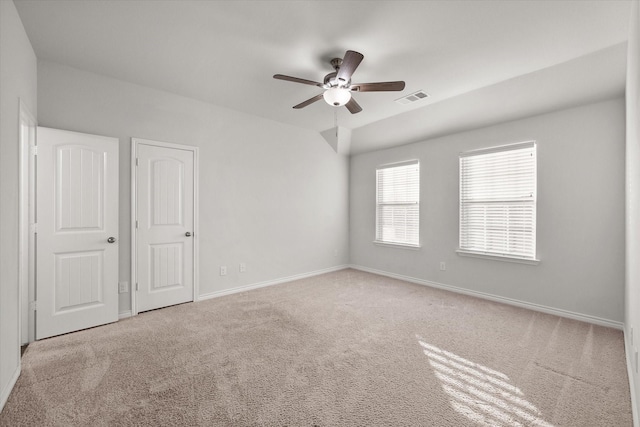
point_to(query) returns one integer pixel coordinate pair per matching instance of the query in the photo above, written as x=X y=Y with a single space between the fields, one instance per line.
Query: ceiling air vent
x=413 y=97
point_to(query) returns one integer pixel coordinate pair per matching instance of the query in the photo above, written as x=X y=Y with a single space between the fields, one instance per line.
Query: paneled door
x=164 y=233
x=77 y=231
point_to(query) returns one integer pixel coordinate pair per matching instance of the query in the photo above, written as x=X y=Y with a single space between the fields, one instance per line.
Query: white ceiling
x=508 y=58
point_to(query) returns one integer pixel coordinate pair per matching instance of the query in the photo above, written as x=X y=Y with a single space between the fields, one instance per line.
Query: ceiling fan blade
x=378 y=87
x=349 y=64
x=353 y=106
x=308 y=101
x=296 y=80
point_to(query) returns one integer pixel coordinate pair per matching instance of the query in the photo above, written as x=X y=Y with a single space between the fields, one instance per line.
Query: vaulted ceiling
x=480 y=61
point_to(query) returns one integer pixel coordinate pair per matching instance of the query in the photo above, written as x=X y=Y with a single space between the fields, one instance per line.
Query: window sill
x=397 y=245
x=498 y=257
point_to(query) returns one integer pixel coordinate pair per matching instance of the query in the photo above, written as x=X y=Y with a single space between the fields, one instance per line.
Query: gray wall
x=271 y=195
x=580 y=215
x=632 y=292
x=17 y=82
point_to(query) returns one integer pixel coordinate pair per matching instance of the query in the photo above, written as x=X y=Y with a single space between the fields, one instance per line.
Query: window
x=498 y=201
x=398 y=204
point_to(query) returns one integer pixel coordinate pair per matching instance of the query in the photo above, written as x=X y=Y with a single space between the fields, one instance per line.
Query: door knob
x=188 y=234
x=111 y=239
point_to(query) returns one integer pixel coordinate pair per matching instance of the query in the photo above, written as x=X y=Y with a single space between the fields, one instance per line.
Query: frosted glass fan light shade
x=337 y=96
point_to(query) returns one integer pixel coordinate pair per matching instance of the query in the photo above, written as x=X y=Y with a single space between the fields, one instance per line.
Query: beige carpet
x=342 y=349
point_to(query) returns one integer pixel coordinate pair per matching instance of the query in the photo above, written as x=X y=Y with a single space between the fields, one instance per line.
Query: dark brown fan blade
x=308 y=101
x=353 y=106
x=296 y=80
x=378 y=87
x=349 y=64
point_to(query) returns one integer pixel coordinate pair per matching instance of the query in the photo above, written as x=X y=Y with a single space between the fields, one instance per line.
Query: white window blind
x=498 y=201
x=398 y=204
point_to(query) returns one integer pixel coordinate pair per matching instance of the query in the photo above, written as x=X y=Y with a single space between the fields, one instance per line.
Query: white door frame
x=27 y=220
x=134 y=214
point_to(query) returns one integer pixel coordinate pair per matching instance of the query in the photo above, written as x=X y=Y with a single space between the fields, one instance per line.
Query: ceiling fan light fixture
x=337 y=96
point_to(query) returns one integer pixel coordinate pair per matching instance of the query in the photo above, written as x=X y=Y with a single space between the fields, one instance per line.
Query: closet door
x=77 y=231
x=165 y=225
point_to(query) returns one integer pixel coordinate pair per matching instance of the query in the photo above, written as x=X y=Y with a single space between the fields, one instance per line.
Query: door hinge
x=136 y=223
x=34 y=150
x=34 y=228
x=33 y=306
x=136 y=161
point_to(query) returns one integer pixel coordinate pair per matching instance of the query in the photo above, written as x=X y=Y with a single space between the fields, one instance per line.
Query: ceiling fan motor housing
x=331 y=79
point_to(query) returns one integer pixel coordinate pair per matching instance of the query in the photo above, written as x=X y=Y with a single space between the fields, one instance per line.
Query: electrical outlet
x=123 y=287
x=223 y=270
x=443 y=266
x=243 y=267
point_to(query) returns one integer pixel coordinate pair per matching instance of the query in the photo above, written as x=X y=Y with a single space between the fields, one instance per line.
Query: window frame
x=495 y=255
x=395 y=244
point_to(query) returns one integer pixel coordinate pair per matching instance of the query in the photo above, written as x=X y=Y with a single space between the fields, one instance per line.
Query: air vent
x=413 y=97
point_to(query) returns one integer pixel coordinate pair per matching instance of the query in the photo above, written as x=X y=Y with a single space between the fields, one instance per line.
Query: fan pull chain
x=335 y=120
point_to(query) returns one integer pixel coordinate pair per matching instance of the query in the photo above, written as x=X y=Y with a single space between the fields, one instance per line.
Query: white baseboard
x=268 y=283
x=628 y=352
x=7 y=390
x=124 y=314
x=518 y=303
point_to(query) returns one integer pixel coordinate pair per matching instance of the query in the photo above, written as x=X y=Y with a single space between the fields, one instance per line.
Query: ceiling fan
x=338 y=86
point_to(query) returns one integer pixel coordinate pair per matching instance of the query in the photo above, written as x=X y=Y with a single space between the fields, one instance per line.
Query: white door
x=165 y=225
x=77 y=231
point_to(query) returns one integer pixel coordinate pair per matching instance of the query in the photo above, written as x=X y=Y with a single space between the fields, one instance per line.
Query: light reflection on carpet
x=483 y=395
